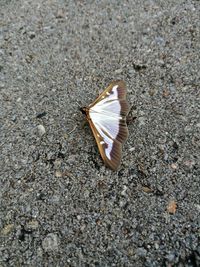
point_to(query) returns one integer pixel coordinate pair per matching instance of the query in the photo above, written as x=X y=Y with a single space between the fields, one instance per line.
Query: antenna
x=78 y=104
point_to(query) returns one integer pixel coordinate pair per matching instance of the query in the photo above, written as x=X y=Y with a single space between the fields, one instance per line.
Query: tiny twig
x=73 y=129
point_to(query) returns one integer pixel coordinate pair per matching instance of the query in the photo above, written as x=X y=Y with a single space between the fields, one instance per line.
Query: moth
x=107 y=119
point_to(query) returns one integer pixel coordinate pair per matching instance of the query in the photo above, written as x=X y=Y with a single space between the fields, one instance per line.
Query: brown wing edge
x=123 y=129
x=122 y=136
x=116 y=155
x=121 y=90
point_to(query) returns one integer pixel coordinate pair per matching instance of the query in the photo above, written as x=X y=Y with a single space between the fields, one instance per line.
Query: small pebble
x=57 y=163
x=198 y=207
x=32 y=225
x=141 y=252
x=79 y=217
x=86 y=193
x=142 y=121
x=189 y=163
x=50 y=242
x=58 y=174
x=123 y=192
x=41 y=114
x=171 y=207
x=171 y=257
x=2 y=85
x=7 y=229
x=118 y=71
x=174 y=166
x=60 y=14
x=32 y=35
x=152 y=92
x=147 y=189
x=41 y=130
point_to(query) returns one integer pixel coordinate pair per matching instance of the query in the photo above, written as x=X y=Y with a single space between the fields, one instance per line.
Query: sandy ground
x=59 y=204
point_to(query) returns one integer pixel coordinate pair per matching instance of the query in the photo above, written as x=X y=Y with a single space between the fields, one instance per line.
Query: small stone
x=141 y=121
x=147 y=189
x=189 y=163
x=188 y=128
x=159 y=40
x=141 y=252
x=86 y=193
x=58 y=174
x=82 y=228
x=78 y=217
x=7 y=229
x=29 y=58
x=166 y=92
x=171 y=257
x=152 y=92
x=71 y=159
x=57 y=163
x=2 y=85
x=174 y=166
x=123 y=192
x=60 y=14
x=41 y=114
x=130 y=251
x=50 y=242
x=55 y=199
x=32 y=225
x=122 y=203
x=41 y=130
x=118 y=71
x=39 y=252
x=198 y=207
x=14 y=118
x=32 y=35
x=131 y=71
x=171 y=207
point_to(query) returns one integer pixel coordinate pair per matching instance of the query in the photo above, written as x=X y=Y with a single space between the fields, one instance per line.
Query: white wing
x=107 y=122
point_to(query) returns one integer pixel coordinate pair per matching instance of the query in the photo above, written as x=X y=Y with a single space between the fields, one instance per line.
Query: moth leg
x=83 y=123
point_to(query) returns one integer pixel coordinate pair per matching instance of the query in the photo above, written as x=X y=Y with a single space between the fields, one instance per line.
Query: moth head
x=84 y=110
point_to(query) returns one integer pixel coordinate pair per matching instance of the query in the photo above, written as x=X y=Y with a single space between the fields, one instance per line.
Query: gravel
x=59 y=204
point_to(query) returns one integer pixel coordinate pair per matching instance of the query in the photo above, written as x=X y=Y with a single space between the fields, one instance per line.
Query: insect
x=107 y=119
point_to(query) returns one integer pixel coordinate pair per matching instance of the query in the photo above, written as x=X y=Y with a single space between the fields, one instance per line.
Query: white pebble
x=41 y=129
